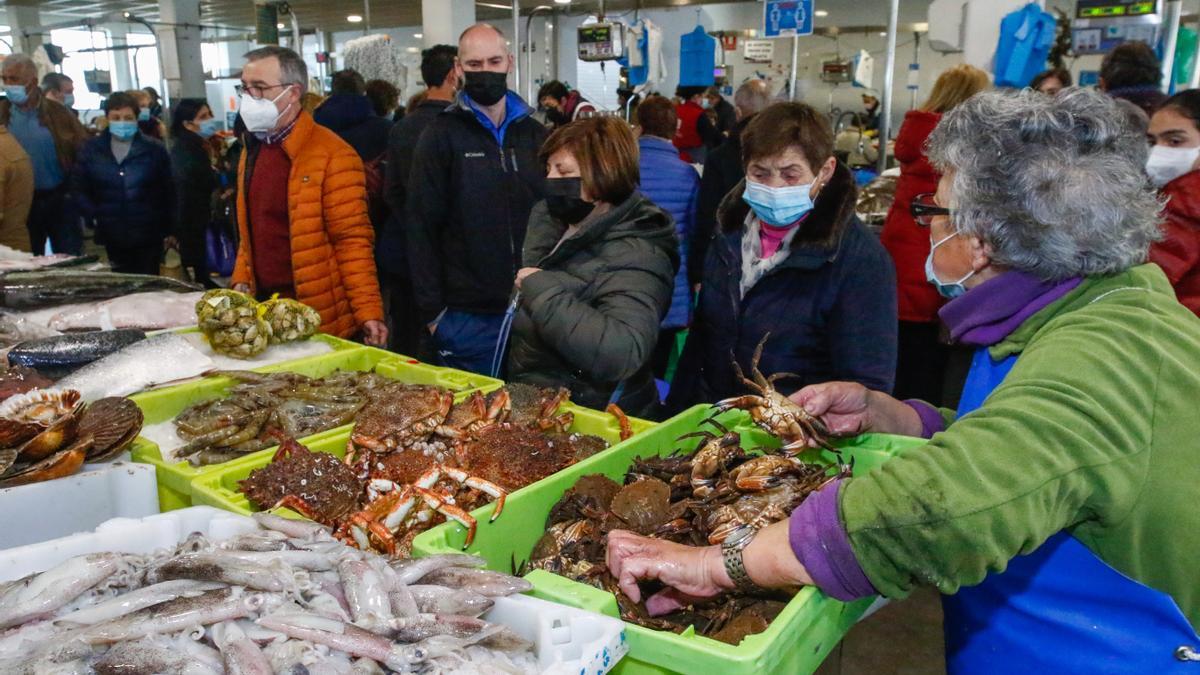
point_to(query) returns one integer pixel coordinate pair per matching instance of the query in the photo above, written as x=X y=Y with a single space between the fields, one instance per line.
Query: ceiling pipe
x=540 y=9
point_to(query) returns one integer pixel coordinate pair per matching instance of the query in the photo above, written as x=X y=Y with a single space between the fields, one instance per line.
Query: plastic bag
x=221 y=251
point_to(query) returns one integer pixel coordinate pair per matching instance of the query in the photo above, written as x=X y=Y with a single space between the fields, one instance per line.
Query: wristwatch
x=731 y=552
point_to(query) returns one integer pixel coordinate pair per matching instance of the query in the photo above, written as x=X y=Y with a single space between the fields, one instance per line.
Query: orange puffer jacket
x=333 y=261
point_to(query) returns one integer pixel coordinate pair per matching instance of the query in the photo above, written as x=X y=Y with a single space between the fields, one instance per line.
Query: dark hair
x=656 y=116
x=347 y=81
x=384 y=96
x=782 y=125
x=292 y=68
x=185 y=111
x=607 y=154
x=121 y=99
x=1131 y=64
x=436 y=64
x=152 y=91
x=554 y=89
x=1186 y=103
x=687 y=93
x=54 y=81
x=1061 y=74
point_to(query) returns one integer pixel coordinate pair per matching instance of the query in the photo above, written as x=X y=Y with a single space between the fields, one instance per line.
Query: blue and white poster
x=785 y=18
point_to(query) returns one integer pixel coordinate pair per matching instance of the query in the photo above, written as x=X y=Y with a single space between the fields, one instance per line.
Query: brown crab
x=537 y=407
x=514 y=457
x=774 y=412
x=473 y=414
x=314 y=484
x=398 y=416
x=712 y=457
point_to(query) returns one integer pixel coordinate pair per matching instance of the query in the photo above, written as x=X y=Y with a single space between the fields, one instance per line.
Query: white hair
x=1054 y=184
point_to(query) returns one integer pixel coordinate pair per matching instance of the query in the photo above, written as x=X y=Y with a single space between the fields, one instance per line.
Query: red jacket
x=1178 y=254
x=687 y=137
x=907 y=242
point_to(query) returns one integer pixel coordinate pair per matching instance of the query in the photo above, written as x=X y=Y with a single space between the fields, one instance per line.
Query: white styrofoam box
x=76 y=503
x=566 y=640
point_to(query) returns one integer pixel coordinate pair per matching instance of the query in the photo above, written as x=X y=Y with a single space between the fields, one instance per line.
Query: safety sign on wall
x=785 y=18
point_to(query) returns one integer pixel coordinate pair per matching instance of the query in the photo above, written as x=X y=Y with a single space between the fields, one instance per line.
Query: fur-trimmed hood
x=832 y=212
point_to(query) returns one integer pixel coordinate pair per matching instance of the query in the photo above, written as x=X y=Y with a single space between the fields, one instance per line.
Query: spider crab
x=773 y=412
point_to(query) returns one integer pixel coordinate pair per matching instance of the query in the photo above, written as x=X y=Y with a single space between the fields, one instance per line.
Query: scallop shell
x=62 y=463
x=40 y=406
x=112 y=423
x=61 y=433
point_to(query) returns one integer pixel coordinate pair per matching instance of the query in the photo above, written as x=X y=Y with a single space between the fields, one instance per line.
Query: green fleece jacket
x=1095 y=431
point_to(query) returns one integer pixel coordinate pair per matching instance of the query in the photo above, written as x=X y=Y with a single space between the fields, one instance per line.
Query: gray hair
x=292 y=69
x=1055 y=185
x=16 y=60
x=752 y=97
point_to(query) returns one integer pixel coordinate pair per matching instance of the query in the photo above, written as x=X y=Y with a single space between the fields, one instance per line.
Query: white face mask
x=1166 y=164
x=259 y=114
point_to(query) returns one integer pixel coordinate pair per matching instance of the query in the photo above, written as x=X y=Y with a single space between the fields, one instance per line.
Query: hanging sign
x=786 y=18
x=758 y=51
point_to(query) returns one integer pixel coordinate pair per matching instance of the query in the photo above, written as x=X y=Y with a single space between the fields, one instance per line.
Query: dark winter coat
x=132 y=203
x=195 y=182
x=468 y=205
x=829 y=307
x=352 y=117
x=674 y=186
x=907 y=242
x=589 y=320
x=402 y=144
x=723 y=170
x=1178 y=253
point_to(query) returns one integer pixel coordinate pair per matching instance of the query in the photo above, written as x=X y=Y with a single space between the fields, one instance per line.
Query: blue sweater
x=674 y=186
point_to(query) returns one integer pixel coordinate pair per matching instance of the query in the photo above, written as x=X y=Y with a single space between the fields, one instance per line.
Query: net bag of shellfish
x=290 y=320
x=221 y=308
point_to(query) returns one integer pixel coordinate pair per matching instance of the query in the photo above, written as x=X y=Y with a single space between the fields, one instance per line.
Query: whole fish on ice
x=23 y=290
x=58 y=356
x=155 y=360
x=148 y=311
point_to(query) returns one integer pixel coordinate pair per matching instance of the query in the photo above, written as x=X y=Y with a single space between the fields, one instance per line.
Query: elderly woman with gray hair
x=1056 y=507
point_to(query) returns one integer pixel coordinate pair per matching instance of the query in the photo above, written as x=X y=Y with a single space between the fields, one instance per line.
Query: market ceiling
x=331 y=14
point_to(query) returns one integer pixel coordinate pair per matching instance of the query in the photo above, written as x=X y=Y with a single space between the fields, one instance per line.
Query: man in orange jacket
x=302 y=204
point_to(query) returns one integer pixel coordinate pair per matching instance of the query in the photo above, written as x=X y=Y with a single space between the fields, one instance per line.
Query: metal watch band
x=731 y=553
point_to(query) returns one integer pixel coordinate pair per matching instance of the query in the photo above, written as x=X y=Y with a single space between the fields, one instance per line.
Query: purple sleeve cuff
x=931 y=419
x=821 y=544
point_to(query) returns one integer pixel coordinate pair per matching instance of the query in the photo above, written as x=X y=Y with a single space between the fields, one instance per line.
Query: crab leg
x=485 y=486
x=443 y=505
x=622 y=420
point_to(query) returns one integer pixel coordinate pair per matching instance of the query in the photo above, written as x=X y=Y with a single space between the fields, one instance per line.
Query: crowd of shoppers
x=471 y=234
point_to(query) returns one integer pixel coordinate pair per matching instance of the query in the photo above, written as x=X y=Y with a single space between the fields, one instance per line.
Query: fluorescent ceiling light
x=821 y=13
x=279 y=26
x=418 y=35
x=354 y=18
x=562 y=2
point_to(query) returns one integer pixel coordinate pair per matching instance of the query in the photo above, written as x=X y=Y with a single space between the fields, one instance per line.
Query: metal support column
x=795 y=60
x=1171 y=25
x=889 y=76
x=516 y=44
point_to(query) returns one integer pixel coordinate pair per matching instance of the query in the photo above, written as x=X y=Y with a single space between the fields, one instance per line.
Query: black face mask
x=563 y=200
x=485 y=87
x=556 y=116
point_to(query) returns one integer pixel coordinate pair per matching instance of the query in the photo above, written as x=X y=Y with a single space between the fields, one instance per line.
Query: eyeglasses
x=924 y=209
x=256 y=92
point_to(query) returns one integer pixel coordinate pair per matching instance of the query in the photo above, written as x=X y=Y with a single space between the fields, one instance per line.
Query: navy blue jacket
x=352 y=117
x=830 y=307
x=674 y=186
x=132 y=203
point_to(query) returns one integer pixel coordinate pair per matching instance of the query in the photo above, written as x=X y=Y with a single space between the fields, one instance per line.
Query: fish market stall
x=214 y=592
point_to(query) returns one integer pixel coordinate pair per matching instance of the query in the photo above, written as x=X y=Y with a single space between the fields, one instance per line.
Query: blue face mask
x=69 y=100
x=144 y=115
x=122 y=129
x=947 y=290
x=16 y=93
x=209 y=127
x=779 y=206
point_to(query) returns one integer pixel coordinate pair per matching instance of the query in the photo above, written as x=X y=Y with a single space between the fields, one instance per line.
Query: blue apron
x=1060 y=609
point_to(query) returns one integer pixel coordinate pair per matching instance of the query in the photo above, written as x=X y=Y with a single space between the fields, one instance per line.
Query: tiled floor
x=903 y=638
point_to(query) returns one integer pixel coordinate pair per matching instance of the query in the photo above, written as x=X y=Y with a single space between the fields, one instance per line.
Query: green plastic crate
x=175 y=479
x=219 y=488
x=797 y=641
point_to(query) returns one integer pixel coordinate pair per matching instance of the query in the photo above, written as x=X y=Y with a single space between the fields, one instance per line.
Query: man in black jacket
x=723 y=169
x=441 y=82
x=475 y=177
